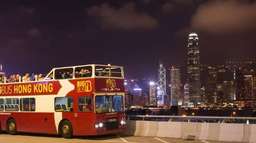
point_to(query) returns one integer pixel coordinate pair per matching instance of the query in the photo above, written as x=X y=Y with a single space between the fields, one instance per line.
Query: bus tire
x=11 y=127
x=66 y=129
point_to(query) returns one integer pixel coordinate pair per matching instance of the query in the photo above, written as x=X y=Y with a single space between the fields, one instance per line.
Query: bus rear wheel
x=66 y=129
x=11 y=127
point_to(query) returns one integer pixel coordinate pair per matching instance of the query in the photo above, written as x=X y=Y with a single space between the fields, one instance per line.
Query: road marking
x=117 y=141
x=161 y=140
x=204 y=141
x=123 y=139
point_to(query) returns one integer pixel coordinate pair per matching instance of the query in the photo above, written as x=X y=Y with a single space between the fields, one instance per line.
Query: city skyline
x=39 y=38
x=130 y=71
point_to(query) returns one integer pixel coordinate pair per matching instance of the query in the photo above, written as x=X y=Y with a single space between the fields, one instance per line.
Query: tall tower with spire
x=193 y=68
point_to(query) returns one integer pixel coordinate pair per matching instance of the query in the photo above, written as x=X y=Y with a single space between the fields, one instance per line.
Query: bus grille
x=110 y=125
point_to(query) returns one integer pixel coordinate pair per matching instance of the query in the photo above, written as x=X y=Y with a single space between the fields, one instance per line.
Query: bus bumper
x=105 y=131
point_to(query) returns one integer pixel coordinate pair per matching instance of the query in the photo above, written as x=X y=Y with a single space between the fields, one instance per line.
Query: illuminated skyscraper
x=186 y=94
x=175 y=85
x=2 y=74
x=152 y=93
x=161 y=89
x=244 y=81
x=193 y=68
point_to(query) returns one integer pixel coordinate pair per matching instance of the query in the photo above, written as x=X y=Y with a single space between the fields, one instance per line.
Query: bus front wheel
x=11 y=127
x=66 y=130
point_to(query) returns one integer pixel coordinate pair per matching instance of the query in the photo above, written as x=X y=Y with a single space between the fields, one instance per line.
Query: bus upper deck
x=70 y=72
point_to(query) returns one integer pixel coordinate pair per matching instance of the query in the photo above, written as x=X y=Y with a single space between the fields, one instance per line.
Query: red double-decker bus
x=76 y=100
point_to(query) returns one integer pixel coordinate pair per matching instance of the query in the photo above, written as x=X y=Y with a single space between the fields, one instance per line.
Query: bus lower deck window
x=12 y=104
x=63 y=104
x=85 y=104
x=27 y=104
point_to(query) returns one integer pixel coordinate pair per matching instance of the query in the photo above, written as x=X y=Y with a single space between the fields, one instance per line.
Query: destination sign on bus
x=39 y=88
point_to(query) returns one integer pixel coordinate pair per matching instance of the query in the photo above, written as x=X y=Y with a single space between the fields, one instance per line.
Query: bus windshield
x=107 y=104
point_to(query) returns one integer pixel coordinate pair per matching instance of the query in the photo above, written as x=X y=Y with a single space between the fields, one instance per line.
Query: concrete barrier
x=213 y=131
x=169 y=129
x=231 y=132
x=252 y=134
x=203 y=131
x=140 y=127
x=204 y=134
x=190 y=129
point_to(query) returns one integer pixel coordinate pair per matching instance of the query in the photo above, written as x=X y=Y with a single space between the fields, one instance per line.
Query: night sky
x=38 y=35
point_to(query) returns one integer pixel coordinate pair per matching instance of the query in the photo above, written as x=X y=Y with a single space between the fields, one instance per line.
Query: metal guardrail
x=207 y=119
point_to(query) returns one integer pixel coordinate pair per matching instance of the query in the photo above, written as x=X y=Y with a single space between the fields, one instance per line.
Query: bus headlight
x=99 y=125
x=122 y=122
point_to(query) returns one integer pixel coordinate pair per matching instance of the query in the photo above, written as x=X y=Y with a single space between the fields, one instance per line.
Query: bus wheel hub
x=12 y=126
x=65 y=129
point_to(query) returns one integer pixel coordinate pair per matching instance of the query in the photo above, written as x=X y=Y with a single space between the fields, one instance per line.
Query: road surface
x=28 y=138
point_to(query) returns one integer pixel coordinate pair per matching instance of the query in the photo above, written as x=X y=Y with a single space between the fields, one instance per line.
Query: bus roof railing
x=85 y=65
x=47 y=77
